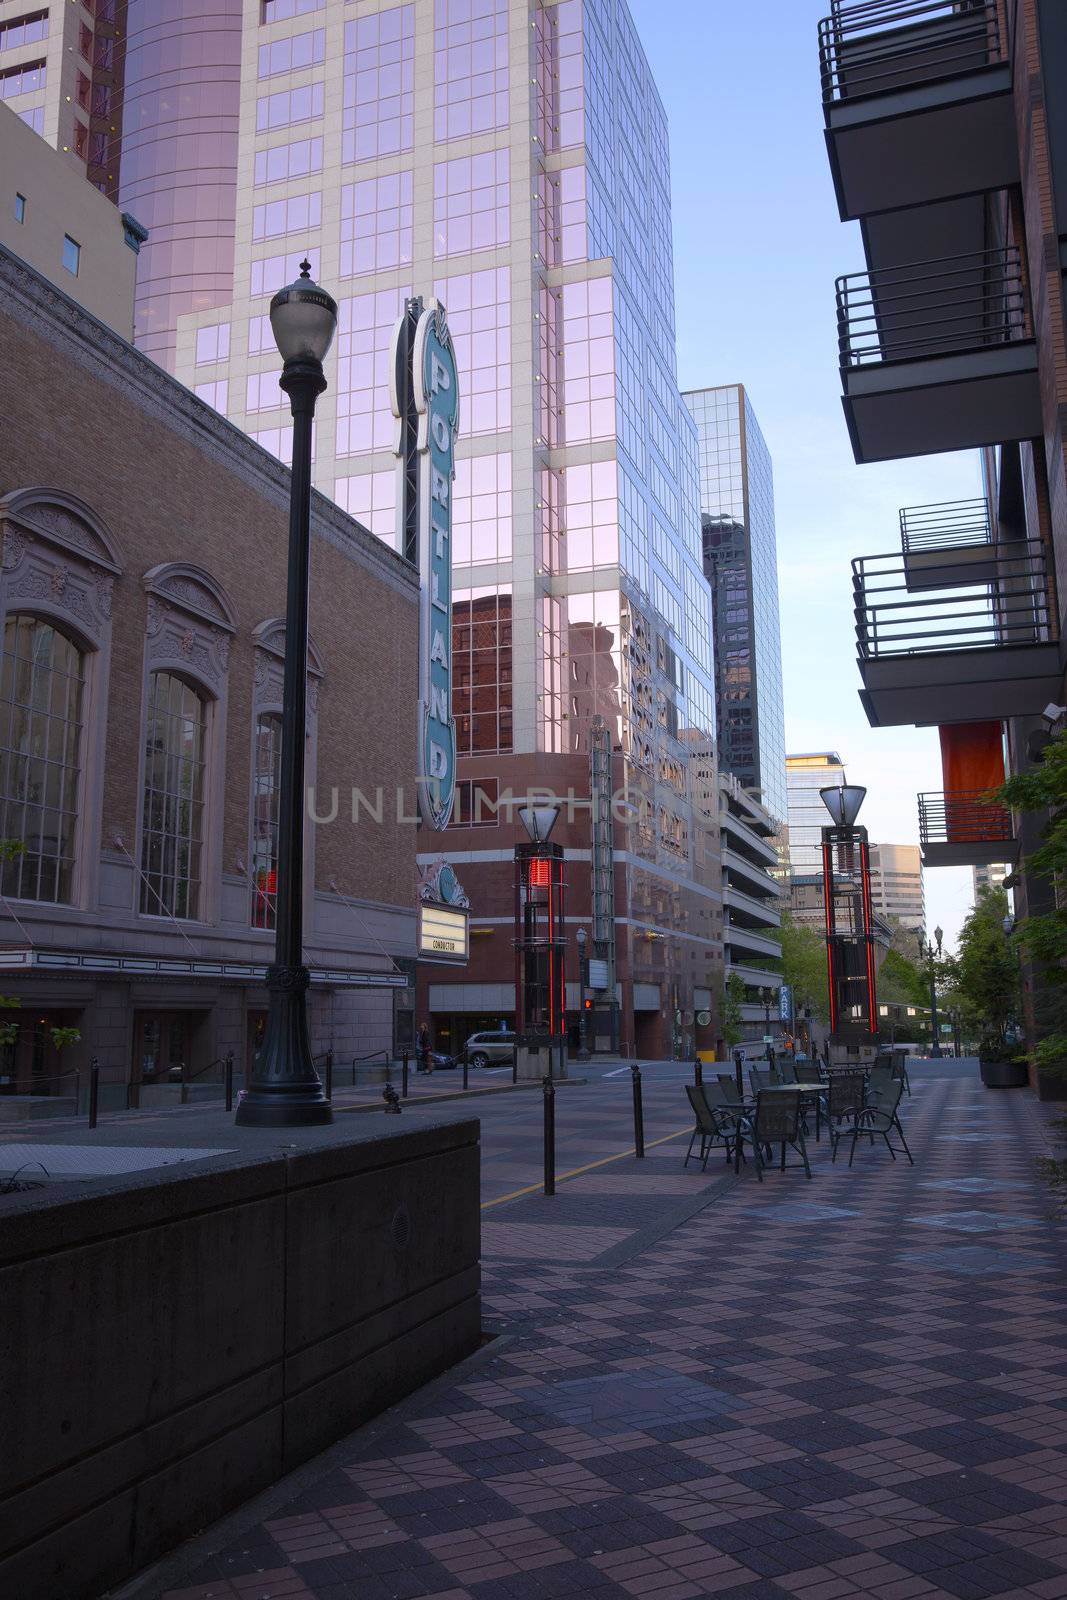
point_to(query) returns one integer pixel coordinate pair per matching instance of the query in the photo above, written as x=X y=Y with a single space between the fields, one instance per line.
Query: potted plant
x=1000 y=1064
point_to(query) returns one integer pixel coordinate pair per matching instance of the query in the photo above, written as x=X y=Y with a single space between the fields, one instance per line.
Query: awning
x=91 y=963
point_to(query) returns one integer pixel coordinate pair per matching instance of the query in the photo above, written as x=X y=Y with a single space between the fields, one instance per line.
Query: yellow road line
x=575 y=1172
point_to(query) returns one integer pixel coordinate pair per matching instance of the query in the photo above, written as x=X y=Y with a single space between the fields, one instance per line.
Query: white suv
x=489 y=1049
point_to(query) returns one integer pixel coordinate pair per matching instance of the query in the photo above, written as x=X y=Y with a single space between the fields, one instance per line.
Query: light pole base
x=285 y=1091
x=278 y=1111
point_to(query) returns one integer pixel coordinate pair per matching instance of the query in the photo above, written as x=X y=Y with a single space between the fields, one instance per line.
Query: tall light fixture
x=540 y=947
x=849 y=932
x=285 y=1090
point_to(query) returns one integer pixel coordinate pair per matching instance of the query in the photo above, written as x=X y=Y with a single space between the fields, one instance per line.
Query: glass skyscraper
x=512 y=159
x=741 y=563
x=808 y=816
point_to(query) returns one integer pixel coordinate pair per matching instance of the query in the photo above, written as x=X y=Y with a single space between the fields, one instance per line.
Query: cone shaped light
x=843 y=803
x=539 y=821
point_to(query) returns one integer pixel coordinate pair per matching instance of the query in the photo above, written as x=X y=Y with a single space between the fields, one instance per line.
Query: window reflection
x=379 y=84
x=470 y=67
x=376 y=224
x=481 y=670
x=481 y=500
x=364 y=332
x=479 y=316
x=470 y=205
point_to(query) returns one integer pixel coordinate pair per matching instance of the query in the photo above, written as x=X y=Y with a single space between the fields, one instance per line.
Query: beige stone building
x=64 y=228
x=142 y=592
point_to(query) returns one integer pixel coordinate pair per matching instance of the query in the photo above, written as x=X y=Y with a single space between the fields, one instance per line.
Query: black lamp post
x=931 y=955
x=285 y=1090
x=765 y=996
x=583 y=984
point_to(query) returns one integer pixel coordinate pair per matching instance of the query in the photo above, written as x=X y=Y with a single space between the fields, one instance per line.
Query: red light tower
x=849 y=935
x=540 y=945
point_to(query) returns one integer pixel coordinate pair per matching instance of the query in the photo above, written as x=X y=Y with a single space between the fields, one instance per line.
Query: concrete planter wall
x=173 y=1342
x=1004 y=1074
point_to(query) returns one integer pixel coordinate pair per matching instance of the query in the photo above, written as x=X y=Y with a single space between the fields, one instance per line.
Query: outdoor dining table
x=748 y=1107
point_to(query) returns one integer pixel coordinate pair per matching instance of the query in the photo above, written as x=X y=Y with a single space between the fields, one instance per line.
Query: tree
x=984 y=975
x=900 y=981
x=1043 y=938
x=803 y=967
x=733 y=998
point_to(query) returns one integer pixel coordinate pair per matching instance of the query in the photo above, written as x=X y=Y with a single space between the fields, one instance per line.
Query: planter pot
x=1004 y=1074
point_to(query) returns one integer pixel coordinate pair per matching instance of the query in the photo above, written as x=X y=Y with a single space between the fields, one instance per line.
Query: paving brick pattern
x=850 y=1387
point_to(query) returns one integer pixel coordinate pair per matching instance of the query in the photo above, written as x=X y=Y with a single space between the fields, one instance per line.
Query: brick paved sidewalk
x=853 y=1386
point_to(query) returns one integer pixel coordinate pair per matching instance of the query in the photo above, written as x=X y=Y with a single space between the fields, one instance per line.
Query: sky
x=757 y=246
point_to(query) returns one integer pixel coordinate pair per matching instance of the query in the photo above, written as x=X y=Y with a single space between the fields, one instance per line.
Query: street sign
x=598 y=973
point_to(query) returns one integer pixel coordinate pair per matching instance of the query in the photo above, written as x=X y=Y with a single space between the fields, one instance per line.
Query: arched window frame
x=189 y=627
x=59 y=563
x=268 y=675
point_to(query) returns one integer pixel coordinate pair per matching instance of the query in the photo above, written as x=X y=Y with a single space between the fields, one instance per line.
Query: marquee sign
x=426 y=404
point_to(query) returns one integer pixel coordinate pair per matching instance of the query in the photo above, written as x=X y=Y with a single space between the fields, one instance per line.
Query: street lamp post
x=765 y=996
x=285 y=1090
x=931 y=955
x=583 y=984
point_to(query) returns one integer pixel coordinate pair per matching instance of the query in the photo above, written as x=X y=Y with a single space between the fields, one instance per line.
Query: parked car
x=440 y=1062
x=490 y=1049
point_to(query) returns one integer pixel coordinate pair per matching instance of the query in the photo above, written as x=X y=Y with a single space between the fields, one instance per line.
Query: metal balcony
x=917 y=101
x=966 y=829
x=938 y=355
x=972 y=652
x=942 y=541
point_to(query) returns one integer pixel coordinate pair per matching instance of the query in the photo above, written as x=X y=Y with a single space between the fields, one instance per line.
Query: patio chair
x=776 y=1120
x=880 y=1116
x=787 y=1070
x=762 y=1078
x=714 y=1123
x=728 y=1084
x=842 y=1103
x=808 y=1076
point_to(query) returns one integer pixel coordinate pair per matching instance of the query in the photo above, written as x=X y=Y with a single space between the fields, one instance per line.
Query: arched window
x=266 y=783
x=172 y=837
x=41 y=708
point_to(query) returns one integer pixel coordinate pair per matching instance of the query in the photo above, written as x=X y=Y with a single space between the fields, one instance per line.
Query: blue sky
x=757 y=246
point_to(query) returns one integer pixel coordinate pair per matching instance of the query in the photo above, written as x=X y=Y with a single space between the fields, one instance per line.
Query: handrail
x=949 y=524
x=942 y=306
x=964 y=817
x=1014 y=607
x=53 y=1077
x=375 y=1055
x=875 y=46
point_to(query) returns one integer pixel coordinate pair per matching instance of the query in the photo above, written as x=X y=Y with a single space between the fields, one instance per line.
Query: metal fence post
x=739 y=1074
x=404 y=1075
x=229 y=1080
x=548 y=1089
x=466 y=1065
x=185 y=1084
x=94 y=1090
x=698 y=1071
x=515 y=1063
x=639 y=1113
x=328 y=1086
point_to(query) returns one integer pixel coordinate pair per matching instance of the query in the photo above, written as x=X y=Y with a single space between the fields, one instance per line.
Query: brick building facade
x=143 y=593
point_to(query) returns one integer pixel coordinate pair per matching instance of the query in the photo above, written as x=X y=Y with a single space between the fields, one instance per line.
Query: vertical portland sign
x=425 y=396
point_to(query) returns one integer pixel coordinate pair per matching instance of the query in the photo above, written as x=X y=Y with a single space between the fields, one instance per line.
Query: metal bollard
x=404 y=1075
x=548 y=1089
x=739 y=1074
x=466 y=1065
x=328 y=1086
x=392 y=1100
x=229 y=1080
x=698 y=1071
x=514 y=1063
x=639 y=1113
x=94 y=1090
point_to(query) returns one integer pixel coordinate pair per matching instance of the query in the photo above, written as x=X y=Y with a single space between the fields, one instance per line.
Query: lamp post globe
x=285 y=1090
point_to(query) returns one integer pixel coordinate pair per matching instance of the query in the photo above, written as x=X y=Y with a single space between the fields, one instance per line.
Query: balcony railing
x=974 y=614
x=932 y=308
x=952 y=525
x=969 y=817
x=876 y=46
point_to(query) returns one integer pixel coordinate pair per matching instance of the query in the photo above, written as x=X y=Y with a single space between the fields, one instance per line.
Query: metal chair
x=808 y=1076
x=728 y=1084
x=787 y=1070
x=880 y=1116
x=713 y=1123
x=776 y=1120
x=762 y=1078
x=843 y=1101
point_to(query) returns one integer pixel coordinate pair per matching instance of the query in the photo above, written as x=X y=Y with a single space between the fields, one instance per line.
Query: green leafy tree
x=733 y=998
x=803 y=967
x=1043 y=938
x=983 y=976
x=901 y=981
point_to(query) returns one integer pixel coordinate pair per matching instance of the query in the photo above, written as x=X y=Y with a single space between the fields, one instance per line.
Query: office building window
x=72 y=253
x=266 y=787
x=20 y=208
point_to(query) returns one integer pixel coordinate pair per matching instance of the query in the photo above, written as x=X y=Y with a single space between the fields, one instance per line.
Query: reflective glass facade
x=392 y=147
x=741 y=564
x=808 y=816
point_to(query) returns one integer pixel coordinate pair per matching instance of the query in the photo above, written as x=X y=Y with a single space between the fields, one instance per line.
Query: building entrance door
x=160 y=1046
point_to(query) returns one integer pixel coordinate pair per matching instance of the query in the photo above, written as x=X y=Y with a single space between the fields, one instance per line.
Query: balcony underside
x=970 y=853
x=923 y=143
x=923 y=689
x=896 y=409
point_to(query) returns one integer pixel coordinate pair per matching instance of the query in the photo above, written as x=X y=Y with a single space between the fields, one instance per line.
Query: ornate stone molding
x=189 y=623
x=58 y=559
x=268 y=669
